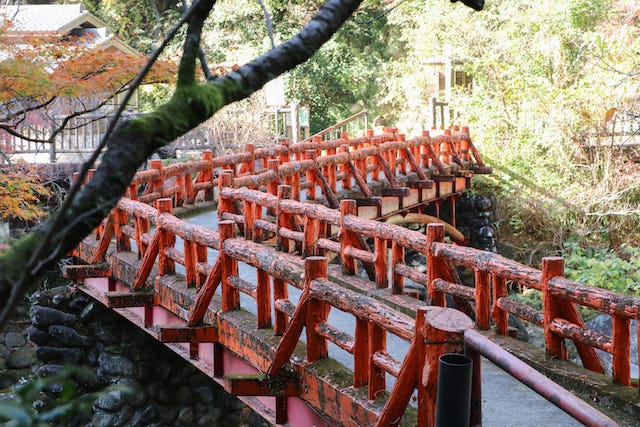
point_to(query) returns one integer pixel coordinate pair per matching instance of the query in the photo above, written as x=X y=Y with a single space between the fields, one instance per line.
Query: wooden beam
x=84 y=271
x=117 y=299
x=181 y=333
x=261 y=385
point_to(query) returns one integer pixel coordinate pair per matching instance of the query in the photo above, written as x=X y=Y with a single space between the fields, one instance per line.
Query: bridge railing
x=373 y=319
x=318 y=167
x=559 y=318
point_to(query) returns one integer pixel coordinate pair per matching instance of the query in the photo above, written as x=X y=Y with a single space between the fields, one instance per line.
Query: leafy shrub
x=604 y=268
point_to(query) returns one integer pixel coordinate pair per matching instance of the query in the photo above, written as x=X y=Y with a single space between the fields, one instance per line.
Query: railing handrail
x=340 y=124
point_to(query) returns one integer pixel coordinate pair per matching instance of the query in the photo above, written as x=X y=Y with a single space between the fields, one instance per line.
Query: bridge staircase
x=249 y=302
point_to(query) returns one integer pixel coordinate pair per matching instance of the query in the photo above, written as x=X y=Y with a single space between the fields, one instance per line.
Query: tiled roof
x=47 y=17
x=61 y=19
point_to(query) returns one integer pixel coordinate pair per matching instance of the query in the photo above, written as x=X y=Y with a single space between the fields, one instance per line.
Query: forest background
x=547 y=77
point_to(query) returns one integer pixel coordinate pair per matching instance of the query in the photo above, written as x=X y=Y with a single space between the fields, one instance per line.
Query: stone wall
x=144 y=383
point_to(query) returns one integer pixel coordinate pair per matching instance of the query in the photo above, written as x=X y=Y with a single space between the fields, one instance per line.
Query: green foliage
x=619 y=272
x=29 y=406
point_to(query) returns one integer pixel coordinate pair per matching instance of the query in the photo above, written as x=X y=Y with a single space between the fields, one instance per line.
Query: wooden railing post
x=361 y=353
x=552 y=267
x=263 y=299
x=311 y=234
x=224 y=204
x=344 y=168
x=435 y=233
x=282 y=218
x=142 y=227
x=381 y=263
x=158 y=184
x=190 y=262
x=483 y=299
x=180 y=196
x=249 y=219
x=311 y=180
x=621 y=348
x=347 y=207
x=208 y=175
x=500 y=317
x=189 y=195
x=272 y=186
x=317 y=313
x=377 y=378
x=120 y=219
x=166 y=240
x=280 y=293
x=230 y=295
x=397 y=257
x=440 y=336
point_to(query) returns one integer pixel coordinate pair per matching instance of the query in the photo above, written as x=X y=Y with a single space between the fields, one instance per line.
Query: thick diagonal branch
x=133 y=141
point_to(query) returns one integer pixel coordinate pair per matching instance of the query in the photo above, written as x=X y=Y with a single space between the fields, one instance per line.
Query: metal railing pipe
x=533 y=379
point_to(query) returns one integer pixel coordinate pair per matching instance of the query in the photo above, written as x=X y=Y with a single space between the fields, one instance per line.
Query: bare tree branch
x=133 y=141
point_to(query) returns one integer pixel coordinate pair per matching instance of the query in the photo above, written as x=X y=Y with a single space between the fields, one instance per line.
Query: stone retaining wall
x=144 y=383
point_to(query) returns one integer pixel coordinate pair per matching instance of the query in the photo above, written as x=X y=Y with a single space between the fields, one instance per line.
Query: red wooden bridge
x=306 y=219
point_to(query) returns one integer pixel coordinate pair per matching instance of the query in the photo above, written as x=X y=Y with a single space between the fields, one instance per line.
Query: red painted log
x=314 y=267
x=263 y=299
x=361 y=353
x=576 y=333
x=507 y=305
x=499 y=316
x=621 y=348
x=489 y=261
x=204 y=295
x=552 y=267
x=397 y=260
x=483 y=299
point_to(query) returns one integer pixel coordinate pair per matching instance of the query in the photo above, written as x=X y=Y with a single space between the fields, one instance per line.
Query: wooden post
x=142 y=227
x=208 y=175
x=201 y=258
x=498 y=315
x=190 y=262
x=361 y=353
x=435 y=233
x=280 y=292
x=158 y=184
x=121 y=218
x=224 y=204
x=397 y=257
x=311 y=191
x=552 y=267
x=230 y=295
x=180 y=195
x=377 y=378
x=444 y=334
x=344 y=168
x=249 y=220
x=620 y=349
x=167 y=239
x=311 y=231
x=282 y=218
x=263 y=299
x=189 y=195
x=381 y=264
x=317 y=312
x=347 y=207
x=483 y=299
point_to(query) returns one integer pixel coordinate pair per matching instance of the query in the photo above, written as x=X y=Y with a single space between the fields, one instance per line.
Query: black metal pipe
x=453 y=399
x=533 y=379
